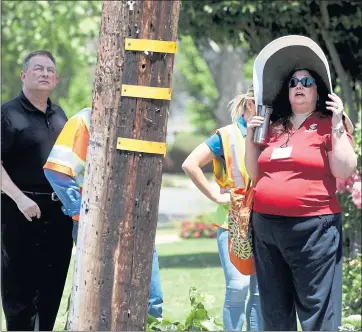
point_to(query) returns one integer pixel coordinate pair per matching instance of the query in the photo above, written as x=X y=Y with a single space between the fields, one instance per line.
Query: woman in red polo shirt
x=296 y=216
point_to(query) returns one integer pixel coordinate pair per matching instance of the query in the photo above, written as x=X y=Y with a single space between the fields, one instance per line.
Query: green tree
x=334 y=25
x=212 y=75
x=66 y=28
x=197 y=81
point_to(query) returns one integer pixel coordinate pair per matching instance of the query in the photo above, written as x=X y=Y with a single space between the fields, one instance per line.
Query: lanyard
x=290 y=135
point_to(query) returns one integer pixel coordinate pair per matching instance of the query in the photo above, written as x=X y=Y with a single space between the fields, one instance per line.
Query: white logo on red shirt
x=312 y=127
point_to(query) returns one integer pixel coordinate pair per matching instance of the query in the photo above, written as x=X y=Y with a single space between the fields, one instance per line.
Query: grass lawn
x=191 y=263
x=183 y=264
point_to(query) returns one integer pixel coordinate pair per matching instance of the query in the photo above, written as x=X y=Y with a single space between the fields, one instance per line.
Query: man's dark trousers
x=35 y=257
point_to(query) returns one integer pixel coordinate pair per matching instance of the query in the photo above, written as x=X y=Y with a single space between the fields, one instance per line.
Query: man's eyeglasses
x=307 y=82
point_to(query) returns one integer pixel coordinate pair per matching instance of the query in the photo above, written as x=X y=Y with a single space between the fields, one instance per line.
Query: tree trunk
x=121 y=188
x=343 y=76
x=226 y=66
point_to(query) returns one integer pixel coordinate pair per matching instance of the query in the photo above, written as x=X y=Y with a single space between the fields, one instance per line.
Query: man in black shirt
x=36 y=239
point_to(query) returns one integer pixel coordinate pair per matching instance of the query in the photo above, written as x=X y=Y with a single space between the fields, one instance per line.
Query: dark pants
x=299 y=270
x=35 y=257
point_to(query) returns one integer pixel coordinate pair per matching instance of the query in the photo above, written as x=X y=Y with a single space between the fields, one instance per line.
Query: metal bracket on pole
x=149 y=92
x=149 y=45
x=136 y=145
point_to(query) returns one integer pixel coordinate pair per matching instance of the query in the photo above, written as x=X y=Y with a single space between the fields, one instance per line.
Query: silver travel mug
x=261 y=133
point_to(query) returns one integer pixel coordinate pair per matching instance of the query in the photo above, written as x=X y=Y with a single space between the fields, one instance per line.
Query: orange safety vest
x=230 y=174
x=68 y=155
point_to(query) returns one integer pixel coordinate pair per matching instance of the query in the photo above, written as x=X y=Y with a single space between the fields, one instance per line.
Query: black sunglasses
x=307 y=82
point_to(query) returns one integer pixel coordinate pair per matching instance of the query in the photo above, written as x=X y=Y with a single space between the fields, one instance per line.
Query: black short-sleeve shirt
x=27 y=137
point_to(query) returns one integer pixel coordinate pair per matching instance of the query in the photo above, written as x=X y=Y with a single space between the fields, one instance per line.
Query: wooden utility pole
x=121 y=188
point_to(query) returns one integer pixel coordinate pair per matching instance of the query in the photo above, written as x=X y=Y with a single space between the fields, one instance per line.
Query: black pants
x=299 y=270
x=35 y=257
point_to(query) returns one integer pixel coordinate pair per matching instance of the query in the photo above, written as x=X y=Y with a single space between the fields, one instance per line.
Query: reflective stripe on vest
x=235 y=174
x=69 y=152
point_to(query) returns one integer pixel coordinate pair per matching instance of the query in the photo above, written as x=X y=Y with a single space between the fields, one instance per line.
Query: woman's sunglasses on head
x=307 y=82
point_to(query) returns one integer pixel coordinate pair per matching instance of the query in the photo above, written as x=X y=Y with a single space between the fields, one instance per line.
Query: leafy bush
x=349 y=195
x=347 y=327
x=197 y=320
x=352 y=295
x=351 y=323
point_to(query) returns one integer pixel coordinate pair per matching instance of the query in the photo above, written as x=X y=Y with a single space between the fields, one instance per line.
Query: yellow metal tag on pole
x=141 y=146
x=150 y=45
x=149 y=92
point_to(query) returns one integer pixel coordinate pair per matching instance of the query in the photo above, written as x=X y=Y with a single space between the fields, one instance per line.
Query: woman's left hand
x=336 y=106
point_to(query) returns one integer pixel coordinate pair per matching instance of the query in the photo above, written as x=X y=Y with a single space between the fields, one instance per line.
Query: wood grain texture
x=121 y=191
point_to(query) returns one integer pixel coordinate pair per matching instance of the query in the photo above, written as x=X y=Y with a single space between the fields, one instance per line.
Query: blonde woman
x=228 y=174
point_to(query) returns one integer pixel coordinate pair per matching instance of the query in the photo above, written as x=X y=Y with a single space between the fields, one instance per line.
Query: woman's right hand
x=254 y=122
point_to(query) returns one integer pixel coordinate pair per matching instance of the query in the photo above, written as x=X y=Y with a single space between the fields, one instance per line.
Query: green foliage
x=352 y=295
x=351 y=214
x=185 y=142
x=347 y=327
x=351 y=222
x=79 y=94
x=197 y=320
x=66 y=28
x=259 y=22
x=351 y=323
x=206 y=217
x=199 y=83
x=358 y=141
x=248 y=68
x=182 y=146
x=256 y=23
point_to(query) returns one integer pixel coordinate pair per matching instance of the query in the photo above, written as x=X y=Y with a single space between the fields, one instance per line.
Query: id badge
x=281 y=153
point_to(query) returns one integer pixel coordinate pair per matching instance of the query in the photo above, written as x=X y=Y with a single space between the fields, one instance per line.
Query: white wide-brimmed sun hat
x=280 y=58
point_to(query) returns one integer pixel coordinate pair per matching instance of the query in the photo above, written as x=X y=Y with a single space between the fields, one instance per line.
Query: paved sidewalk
x=162 y=239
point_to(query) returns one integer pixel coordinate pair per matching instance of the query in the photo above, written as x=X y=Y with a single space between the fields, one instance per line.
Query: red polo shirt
x=302 y=184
